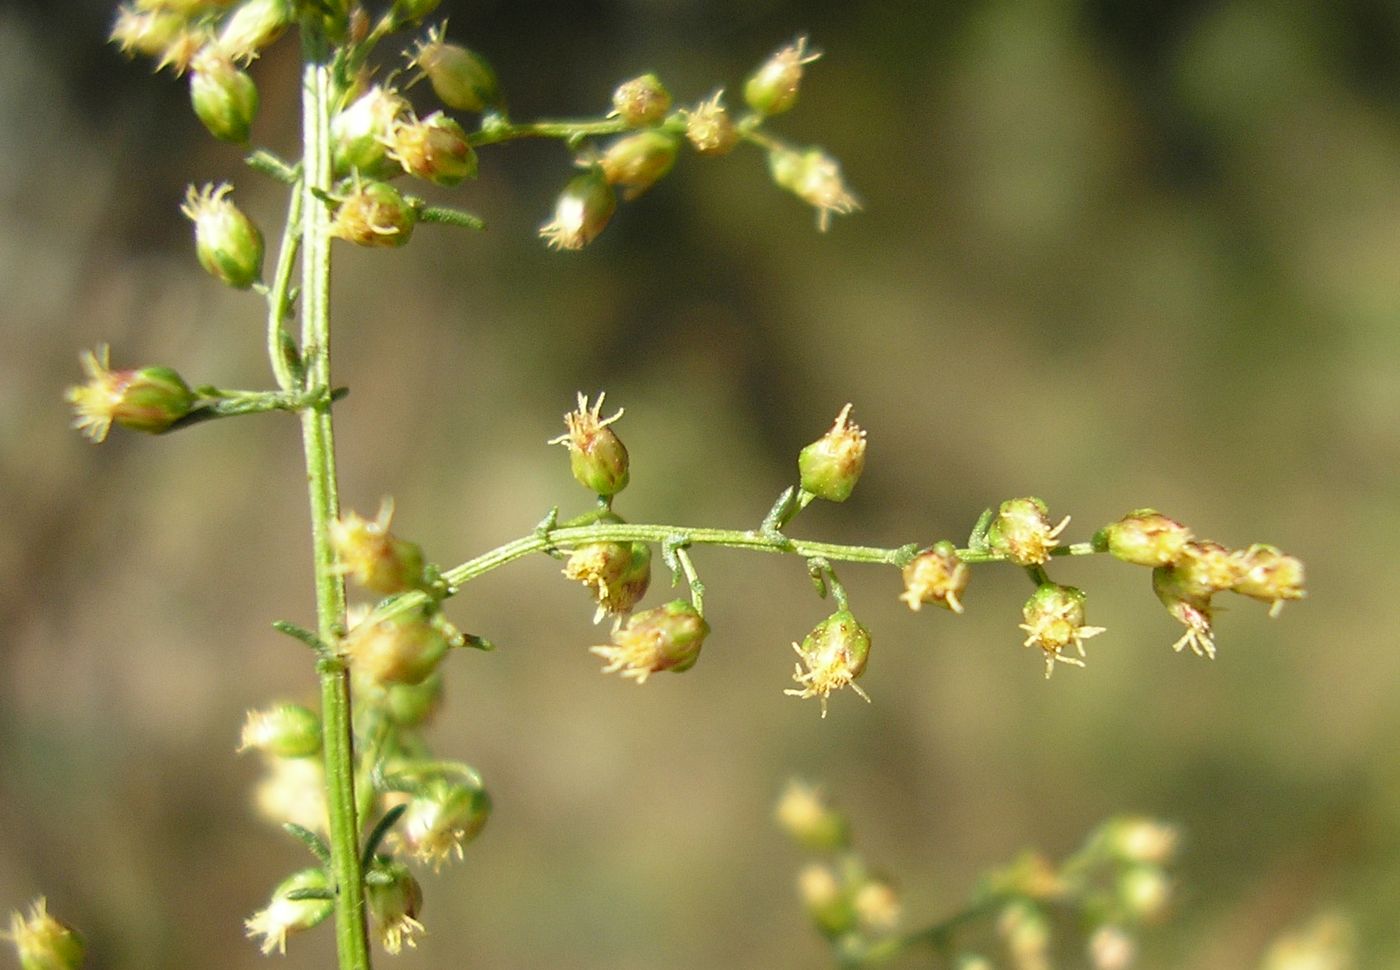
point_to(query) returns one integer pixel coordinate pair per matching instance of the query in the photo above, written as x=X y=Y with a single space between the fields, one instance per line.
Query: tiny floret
x=374 y=214
x=1144 y=537
x=1270 y=576
x=254 y=26
x=709 y=128
x=442 y=818
x=597 y=456
x=1189 y=605
x=228 y=244
x=394 y=900
x=581 y=212
x=373 y=556
x=641 y=101
x=1022 y=531
x=878 y=906
x=434 y=148
x=665 y=638
x=830 y=466
x=772 y=89
x=834 y=654
x=617 y=574
x=42 y=942
x=361 y=133
x=461 y=78
x=936 y=576
x=149 y=399
x=805 y=815
x=1054 y=621
x=284 y=731
x=284 y=915
x=401 y=649
x=815 y=178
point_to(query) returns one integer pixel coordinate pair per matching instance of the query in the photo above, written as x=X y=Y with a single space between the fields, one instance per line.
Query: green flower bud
x=805 y=815
x=936 y=576
x=413 y=705
x=1270 y=576
x=877 y=906
x=223 y=95
x=1144 y=892
x=1022 y=531
x=1144 y=537
x=582 y=212
x=637 y=162
x=1184 y=599
x=394 y=899
x=403 y=649
x=665 y=638
x=460 y=78
x=374 y=214
x=361 y=133
x=772 y=89
x=160 y=33
x=284 y=914
x=228 y=244
x=441 y=818
x=835 y=654
x=708 y=127
x=825 y=899
x=830 y=466
x=253 y=26
x=617 y=573
x=597 y=456
x=641 y=101
x=43 y=943
x=411 y=10
x=149 y=399
x=1205 y=567
x=1112 y=948
x=285 y=731
x=379 y=561
x=1027 y=934
x=435 y=149
x=1054 y=620
x=815 y=178
x=1136 y=839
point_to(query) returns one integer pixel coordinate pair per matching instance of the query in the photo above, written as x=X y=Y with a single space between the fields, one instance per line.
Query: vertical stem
x=318 y=439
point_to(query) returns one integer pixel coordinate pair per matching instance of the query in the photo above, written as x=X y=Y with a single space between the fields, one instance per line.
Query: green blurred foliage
x=1113 y=254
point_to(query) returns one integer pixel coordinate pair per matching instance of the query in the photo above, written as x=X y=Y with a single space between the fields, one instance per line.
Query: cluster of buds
x=1187 y=572
x=42 y=942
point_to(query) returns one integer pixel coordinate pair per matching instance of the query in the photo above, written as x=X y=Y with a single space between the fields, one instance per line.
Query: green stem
x=497 y=129
x=318 y=439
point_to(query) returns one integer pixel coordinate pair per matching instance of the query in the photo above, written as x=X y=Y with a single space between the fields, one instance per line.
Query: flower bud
x=460 y=78
x=830 y=466
x=285 y=915
x=597 y=456
x=228 y=244
x=394 y=899
x=1327 y=942
x=150 y=399
x=293 y=790
x=284 y=731
x=772 y=89
x=253 y=26
x=223 y=95
x=1022 y=531
x=43 y=943
x=411 y=10
x=434 y=148
x=441 y=818
x=641 y=101
x=937 y=576
x=835 y=653
x=1111 y=948
x=637 y=162
x=1136 y=839
x=877 y=907
x=815 y=178
x=825 y=900
x=402 y=649
x=406 y=705
x=708 y=127
x=665 y=638
x=1270 y=576
x=1207 y=567
x=374 y=214
x=361 y=133
x=1188 y=605
x=1027 y=934
x=1144 y=892
x=159 y=33
x=1054 y=618
x=617 y=573
x=378 y=560
x=582 y=211
x=804 y=814
x=1145 y=537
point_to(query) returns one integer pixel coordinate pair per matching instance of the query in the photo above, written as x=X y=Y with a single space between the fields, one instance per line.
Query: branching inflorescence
x=356 y=783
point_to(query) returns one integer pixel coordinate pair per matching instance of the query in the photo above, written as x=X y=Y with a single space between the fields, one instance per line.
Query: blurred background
x=1111 y=254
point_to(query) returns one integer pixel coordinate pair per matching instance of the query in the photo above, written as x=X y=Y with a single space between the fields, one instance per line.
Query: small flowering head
x=582 y=211
x=1027 y=934
x=411 y=10
x=223 y=95
x=825 y=899
x=149 y=399
x=1189 y=606
x=284 y=914
x=1112 y=948
x=405 y=705
x=1022 y=531
x=834 y=655
x=441 y=818
x=815 y=178
x=597 y=456
x=637 y=162
x=878 y=907
x=1144 y=537
x=394 y=899
x=160 y=33
x=374 y=214
x=434 y=148
x=709 y=128
x=1271 y=576
x=641 y=101
x=284 y=731
x=616 y=573
x=1327 y=942
x=43 y=943
x=665 y=638
x=361 y=134
x=401 y=649
x=805 y=815
x=254 y=26
x=1205 y=568
x=1144 y=892
x=377 y=559
x=937 y=576
x=460 y=78
x=772 y=89
x=293 y=790
x=228 y=244
x=830 y=466
x=1054 y=621
x=1135 y=839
